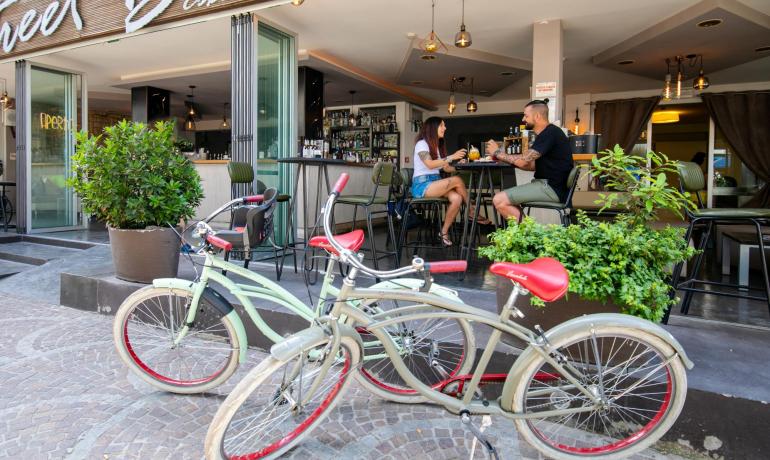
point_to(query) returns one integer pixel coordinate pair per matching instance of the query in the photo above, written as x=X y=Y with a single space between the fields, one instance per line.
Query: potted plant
x=134 y=179
x=620 y=265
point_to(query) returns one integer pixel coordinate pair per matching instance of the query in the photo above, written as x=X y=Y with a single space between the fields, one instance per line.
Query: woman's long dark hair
x=429 y=134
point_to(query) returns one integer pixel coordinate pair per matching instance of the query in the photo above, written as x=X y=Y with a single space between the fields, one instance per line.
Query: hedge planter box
x=554 y=313
x=143 y=255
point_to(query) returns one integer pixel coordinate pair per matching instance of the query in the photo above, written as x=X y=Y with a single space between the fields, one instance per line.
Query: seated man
x=549 y=156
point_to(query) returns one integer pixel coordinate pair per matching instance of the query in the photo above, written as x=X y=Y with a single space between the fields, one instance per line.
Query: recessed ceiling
x=727 y=44
x=491 y=73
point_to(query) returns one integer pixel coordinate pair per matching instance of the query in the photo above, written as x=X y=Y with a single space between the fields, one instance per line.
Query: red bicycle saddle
x=545 y=277
x=351 y=241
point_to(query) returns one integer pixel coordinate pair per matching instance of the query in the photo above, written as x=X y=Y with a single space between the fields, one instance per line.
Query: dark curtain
x=622 y=121
x=744 y=119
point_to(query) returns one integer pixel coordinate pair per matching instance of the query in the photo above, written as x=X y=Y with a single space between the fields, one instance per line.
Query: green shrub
x=132 y=177
x=624 y=260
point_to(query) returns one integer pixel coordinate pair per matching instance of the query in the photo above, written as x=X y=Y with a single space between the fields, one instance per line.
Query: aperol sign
x=34 y=25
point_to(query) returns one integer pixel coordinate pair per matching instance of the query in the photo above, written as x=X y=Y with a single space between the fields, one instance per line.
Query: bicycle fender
x=173 y=283
x=309 y=338
x=583 y=323
x=416 y=284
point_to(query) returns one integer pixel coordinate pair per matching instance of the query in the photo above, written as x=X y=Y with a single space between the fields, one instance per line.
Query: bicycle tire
x=205 y=358
x=455 y=352
x=266 y=390
x=628 y=430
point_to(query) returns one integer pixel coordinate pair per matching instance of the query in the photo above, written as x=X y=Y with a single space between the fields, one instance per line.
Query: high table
x=323 y=172
x=6 y=208
x=480 y=182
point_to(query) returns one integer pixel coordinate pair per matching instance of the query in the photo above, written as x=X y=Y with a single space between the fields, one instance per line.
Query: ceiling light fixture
x=667 y=81
x=709 y=23
x=452 y=106
x=762 y=49
x=577 y=120
x=352 y=117
x=665 y=116
x=190 y=121
x=463 y=37
x=225 y=124
x=506 y=74
x=679 y=77
x=626 y=62
x=432 y=44
x=472 y=106
x=701 y=82
x=297 y=2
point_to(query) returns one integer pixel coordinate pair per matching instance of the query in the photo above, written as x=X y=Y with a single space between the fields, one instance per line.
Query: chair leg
x=227 y=258
x=403 y=237
x=763 y=261
x=372 y=244
x=392 y=232
x=355 y=210
x=676 y=273
x=696 y=267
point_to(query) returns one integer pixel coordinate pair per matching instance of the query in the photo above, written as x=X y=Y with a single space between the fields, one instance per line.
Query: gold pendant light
x=667 y=84
x=463 y=38
x=432 y=44
x=190 y=121
x=297 y=2
x=452 y=106
x=225 y=124
x=701 y=82
x=472 y=106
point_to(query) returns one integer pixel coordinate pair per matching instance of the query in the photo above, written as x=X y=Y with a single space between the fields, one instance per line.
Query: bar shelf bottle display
x=367 y=137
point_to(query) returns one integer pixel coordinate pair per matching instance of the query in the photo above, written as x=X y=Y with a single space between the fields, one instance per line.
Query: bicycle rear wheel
x=643 y=383
x=434 y=349
x=144 y=330
x=272 y=409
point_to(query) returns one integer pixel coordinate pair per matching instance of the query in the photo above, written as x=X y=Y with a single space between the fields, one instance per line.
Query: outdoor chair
x=243 y=174
x=706 y=219
x=382 y=176
x=564 y=208
x=432 y=212
x=252 y=227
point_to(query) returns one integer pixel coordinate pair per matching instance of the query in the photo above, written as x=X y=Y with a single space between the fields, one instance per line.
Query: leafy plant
x=627 y=263
x=642 y=183
x=132 y=177
x=183 y=145
x=624 y=260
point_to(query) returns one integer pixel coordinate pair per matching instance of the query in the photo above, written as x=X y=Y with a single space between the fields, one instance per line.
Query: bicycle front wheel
x=641 y=381
x=146 y=330
x=434 y=349
x=272 y=408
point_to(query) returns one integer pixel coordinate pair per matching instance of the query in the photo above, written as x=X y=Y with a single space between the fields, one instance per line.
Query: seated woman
x=430 y=158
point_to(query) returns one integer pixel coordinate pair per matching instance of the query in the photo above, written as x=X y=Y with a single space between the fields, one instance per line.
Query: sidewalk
x=66 y=395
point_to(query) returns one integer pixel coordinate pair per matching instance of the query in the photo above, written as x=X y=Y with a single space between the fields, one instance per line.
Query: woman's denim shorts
x=421 y=183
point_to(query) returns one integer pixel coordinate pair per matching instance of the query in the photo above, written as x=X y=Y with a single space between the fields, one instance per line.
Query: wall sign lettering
x=34 y=25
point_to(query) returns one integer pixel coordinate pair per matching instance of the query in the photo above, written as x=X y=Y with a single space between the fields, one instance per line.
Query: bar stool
x=692 y=180
x=242 y=173
x=432 y=210
x=563 y=208
x=382 y=176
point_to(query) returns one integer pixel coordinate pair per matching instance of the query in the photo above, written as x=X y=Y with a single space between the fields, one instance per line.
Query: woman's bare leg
x=455 y=201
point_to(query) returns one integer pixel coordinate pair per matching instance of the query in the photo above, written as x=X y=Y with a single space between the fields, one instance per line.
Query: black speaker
x=149 y=104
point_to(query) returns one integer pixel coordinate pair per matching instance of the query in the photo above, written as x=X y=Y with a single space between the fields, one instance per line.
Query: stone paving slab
x=66 y=395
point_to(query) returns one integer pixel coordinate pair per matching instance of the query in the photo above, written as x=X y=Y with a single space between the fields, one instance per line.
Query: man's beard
x=529 y=126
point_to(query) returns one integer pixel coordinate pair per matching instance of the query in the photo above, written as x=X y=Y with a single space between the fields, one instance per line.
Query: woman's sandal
x=445 y=239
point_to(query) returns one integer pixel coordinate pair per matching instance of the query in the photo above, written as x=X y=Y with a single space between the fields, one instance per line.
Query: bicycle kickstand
x=465 y=417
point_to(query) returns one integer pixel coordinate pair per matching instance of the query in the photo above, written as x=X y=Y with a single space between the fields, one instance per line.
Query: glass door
x=275 y=115
x=56 y=109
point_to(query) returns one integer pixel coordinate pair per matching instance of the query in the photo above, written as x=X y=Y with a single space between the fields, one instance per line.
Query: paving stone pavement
x=64 y=394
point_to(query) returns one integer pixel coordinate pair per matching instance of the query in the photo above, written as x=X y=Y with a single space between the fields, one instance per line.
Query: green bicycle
x=185 y=337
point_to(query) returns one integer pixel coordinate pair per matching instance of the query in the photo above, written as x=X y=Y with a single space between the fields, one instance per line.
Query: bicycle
x=603 y=385
x=185 y=337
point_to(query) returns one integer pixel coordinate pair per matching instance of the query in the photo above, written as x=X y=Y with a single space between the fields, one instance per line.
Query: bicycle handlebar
x=348 y=256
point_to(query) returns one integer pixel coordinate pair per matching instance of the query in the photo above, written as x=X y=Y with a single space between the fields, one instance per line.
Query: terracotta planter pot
x=143 y=255
x=566 y=308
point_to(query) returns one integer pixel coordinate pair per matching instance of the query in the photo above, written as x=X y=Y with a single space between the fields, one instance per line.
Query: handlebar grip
x=341 y=183
x=219 y=243
x=253 y=199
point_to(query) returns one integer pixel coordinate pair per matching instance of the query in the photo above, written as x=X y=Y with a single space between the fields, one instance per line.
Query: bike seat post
x=509 y=306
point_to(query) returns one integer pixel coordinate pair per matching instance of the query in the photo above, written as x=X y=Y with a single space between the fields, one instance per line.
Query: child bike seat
x=545 y=277
x=351 y=241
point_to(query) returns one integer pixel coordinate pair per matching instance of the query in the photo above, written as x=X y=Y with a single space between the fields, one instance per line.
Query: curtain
x=744 y=119
x=622 y=121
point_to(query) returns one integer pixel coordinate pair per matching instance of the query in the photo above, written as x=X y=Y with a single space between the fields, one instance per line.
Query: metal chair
x=563 y=208
x=432 y=210
x=692 y=180
x=242 y=173
x=252 y=227
x=382 y=176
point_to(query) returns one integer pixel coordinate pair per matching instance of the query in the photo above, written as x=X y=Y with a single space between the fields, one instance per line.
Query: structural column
x=243 y=94
x=548 y=67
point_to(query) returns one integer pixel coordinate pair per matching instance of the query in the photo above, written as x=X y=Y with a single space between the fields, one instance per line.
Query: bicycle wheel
x=272 y=409
x=144 y=330
x=434 y=349
x=644 y=390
